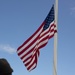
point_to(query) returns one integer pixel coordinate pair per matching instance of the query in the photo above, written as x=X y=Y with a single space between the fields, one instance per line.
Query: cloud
x=7 y=48
x=73 y=10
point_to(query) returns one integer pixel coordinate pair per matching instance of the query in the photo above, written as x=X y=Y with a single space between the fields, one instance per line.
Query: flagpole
x=55 y=40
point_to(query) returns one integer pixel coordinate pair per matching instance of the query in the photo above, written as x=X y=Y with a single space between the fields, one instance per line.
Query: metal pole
x=55 y=40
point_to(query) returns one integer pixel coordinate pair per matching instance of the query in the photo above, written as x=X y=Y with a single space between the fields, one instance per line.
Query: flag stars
x=49 y=19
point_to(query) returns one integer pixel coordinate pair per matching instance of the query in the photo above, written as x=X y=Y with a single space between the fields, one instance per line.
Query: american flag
x=29 y=50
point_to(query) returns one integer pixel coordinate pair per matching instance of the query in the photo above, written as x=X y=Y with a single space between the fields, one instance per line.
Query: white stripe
x=44 y=31
x=27 y=56
x=32 y=66
x=47 y=29
x=51 y=33
x=30 y=41
x=31 y=62
x=52 y=27
x=51 y=23
x=27 y=61
x=43 y=42
x=28 y=49
x=44 y=36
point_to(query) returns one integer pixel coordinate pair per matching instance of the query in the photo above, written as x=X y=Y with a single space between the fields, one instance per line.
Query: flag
x=29 y=50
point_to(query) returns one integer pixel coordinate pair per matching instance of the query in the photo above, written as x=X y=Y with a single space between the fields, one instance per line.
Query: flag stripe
x=27 y=42
x=29 y=50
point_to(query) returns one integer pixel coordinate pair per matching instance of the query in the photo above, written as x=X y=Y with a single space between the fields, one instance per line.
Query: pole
x=55 y=40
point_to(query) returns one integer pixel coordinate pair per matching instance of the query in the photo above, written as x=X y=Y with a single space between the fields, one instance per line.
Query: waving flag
x=29 y=50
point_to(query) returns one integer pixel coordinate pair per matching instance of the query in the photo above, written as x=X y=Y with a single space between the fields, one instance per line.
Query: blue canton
x=49 y=18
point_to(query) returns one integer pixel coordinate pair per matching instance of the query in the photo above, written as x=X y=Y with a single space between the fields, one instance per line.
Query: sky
x=19 y=19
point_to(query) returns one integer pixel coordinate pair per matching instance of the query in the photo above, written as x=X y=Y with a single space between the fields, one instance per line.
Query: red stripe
x=36 y=55
x=28 y=46
x=31 y=36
